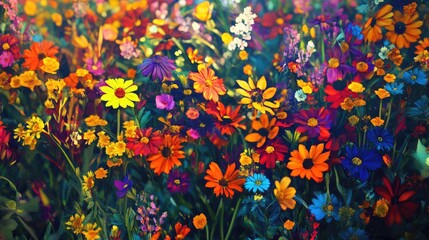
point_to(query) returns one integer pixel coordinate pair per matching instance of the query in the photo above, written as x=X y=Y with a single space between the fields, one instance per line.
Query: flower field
x=217 y=119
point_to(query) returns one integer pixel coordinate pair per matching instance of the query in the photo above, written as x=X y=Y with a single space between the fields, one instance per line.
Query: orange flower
x=263 y=128
x=208 y=84
x=37 y=52
x=289 y=224
x=227 y=118
x=285 y=194
x=404 y=29
x=310 y=164
x=372 y=30
x=224 y=184
x=101 y=173
x=199 y=221
x=168 y=156
x=181 y=231
x=422 y=47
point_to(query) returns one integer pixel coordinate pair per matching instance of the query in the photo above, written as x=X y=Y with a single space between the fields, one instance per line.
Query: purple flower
x=336 y=65
x=95 y=68
x=123 y=186
x=164 y=101
x=6 y=59
x=157 y=67
x=178 y=182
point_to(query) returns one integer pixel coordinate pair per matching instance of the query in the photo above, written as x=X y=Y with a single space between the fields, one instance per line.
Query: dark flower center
x=227 y=119
x=380 y=139
x=400 y=27
x=263 y=132
x=256 y=96
x=41 y=56
x=166 y=152
x=373 y=22
x=223 y=182
x=339 y=85
x=308 y=163
x=120 y=93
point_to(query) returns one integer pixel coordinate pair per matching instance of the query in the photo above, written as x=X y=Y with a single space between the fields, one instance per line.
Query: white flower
x=242 y=29
x=383 y=53
x=300 y=96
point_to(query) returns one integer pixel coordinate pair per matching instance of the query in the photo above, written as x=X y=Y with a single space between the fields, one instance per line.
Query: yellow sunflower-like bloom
x=258 y=96
x=119 y=93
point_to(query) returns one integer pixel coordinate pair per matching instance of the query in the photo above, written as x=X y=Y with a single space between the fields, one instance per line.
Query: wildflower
x=157 y=68
x=394 y=88
x=130 y=129
x=420 y=109
x=227 y=119
x=398 y=197
x=404 y=29
x=203 y=11
x=310 y=164
x=300 y=96
x=9 y=50
x=389 y=78
x=372 y=30
x=178 y=182
x=353 y=120
x=377 y=121
x=95 y=120
x=146 y=142
x=314 y=122
x=288 y=225
x=359 y=161
x=119 y=93
x=181 y=231
x=199 y=221
x=75 y=223
x=325 y=206
x=257 y=96
x=248 y=69
x=128 y=48
x=164 y=101
x=382 y=93
x=336 y=65
x=356 y=87
x=35 y=126
x=5 y=148
x=88 y=181
x=416 y=76
x=168 y=156
x=353 y=233
x=29 y=80
x=285 y=194
x=95 y=66
x=122 y=187
x=272 y=152
x=242 y=29
x=37 y=52
x=101 y=173
x=380 y=138
x=50 y=65
x=223 y=184
x=337 y=92
x=263 y=129
x=245 y=159
x=208 y=84
x=257 y=182
x=91 y=231
x=381 y=208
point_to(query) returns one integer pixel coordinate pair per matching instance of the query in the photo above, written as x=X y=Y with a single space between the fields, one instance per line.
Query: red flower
x=134 y=23
x=314 y=122
x=337 y=92
x=398 y=196
x=227 y=119
x=5 y=149
x=146 y=142
x=272 y=152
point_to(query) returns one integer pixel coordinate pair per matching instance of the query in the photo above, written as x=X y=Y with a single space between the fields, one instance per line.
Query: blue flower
x=394 y=88
x=157 y=67
x=420 y=109
x=123 y=186
x=323 y=207
x=257 y=182
x=353 y=233
x=359 y=161
x=415 y=76
x=380 y=138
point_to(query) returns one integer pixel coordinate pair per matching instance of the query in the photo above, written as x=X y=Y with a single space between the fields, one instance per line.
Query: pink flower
x=164 y=101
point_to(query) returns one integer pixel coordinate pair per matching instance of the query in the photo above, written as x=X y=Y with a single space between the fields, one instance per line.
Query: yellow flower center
x=177 y=181
x=312 y=122
x=209 y=83
x=362 y=67
x=94 y=67
x=269 y=149
x=138 y=23
x=344 y=47
x=280 y=21
x=357 y=161
x=6 y=46
x=120 y=93
x=334 y=62
x=144 y=140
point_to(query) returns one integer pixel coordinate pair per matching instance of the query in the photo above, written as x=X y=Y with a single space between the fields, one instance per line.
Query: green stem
x=207 y=232
x=65 y=154
x=379 y=109
x=389 y=111
x=233 y=219
x=216 y=218
x=118 y=131
x=222 y=216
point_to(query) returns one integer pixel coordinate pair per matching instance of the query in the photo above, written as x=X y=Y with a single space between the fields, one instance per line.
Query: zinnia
x=309 y=164
x=208 y=84
x=224 y=184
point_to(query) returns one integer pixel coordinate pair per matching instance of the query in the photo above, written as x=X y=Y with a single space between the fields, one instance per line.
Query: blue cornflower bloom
x=123 y=186
x=420 y=109
x=356 y=31
x=380 y=138
x=323 y=207
x=353 y=233
x=257 y=182
x=415 y=76
x=394 y=88
x=359 y=161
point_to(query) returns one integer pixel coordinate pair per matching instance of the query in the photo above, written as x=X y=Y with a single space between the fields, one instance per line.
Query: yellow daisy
x=119 y=93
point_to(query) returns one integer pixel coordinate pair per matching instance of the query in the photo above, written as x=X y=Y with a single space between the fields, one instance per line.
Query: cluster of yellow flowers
x=90 y=230
x=31 y=132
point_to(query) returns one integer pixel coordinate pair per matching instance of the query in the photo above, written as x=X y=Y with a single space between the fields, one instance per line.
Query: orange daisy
x=372 y=30
x=227 y=118
x=310 y=164
x=224 y=184
x=423 y=46
x=168 y=156
x=263 y=128
x=404 y=29
x=208 y=84
x=37 y=52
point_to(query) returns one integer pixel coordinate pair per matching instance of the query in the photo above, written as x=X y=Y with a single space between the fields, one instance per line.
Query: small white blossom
x=300 y=96
x=242 y=29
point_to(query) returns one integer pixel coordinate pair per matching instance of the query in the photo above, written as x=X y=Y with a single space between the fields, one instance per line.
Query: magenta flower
x=314 y=122
x=164 y=101
x=336 y=66
x=178 y=182
x=96 y=68
x=157 y=67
